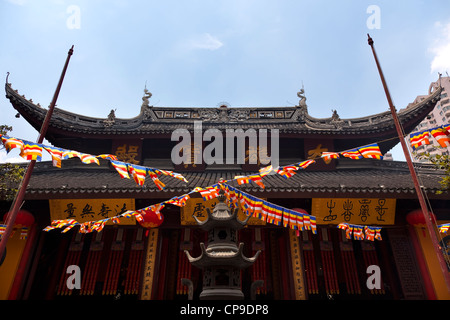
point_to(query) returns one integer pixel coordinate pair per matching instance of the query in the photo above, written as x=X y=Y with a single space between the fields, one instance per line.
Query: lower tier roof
x=366 y=178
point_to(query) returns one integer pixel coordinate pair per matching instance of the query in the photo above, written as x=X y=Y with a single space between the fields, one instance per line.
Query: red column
x=24 y=262
x=421 y=263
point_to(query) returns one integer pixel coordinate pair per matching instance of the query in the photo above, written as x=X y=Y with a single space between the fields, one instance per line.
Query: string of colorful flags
x=23 y=232
x=360 y=232
x=440 y=133
x=33 y=151
x=251 y=205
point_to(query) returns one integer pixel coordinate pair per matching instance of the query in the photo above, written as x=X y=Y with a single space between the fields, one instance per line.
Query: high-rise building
x=439 y=116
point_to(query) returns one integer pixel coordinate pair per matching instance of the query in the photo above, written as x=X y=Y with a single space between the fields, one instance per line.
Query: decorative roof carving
x=166 y=119
x=146 y=97
x=110 y=120
x=301 y=95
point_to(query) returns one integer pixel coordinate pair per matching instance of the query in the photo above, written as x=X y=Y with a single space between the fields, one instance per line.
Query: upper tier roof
x=164 y=120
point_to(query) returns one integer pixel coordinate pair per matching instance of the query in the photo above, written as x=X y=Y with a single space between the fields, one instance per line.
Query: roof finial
x=147 y=95
x=301 y=95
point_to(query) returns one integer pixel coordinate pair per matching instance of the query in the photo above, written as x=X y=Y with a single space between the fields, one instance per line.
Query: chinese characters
x=351 y=210
x=83 y=210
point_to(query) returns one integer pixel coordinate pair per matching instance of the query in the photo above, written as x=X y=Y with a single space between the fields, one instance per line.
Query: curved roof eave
x=166 y=119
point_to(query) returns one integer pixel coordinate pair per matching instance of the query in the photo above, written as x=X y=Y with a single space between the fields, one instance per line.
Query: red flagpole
x=22 y=188
x=423 y=206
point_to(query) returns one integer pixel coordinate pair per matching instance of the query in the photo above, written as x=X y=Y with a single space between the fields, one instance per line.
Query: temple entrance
x=113 y=265
x=110 y=265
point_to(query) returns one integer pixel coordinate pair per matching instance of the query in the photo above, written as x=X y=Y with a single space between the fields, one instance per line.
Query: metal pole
x=11 y=218
x=423 y=206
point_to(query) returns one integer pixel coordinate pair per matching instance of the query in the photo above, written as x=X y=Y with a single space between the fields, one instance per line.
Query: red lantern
x=301 y=210
x=416 y=217
x=150 y=219
x=23 y=218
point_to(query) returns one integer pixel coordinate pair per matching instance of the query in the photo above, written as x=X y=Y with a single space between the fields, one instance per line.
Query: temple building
x=136 y=260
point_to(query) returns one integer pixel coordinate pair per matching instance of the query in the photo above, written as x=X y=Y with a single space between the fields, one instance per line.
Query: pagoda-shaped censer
x=223 y=259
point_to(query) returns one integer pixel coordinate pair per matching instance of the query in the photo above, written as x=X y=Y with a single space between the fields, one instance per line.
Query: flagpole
x=423 y=206
x=11 y=218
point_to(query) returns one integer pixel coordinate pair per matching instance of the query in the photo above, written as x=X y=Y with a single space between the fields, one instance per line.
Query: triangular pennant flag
x=67 y=154
x=56 y=154
x=266 y=170
x=349 y=231
x=377 y=231
x=269 y=211
x=107 y=157
x=205 y=193
x=121 y=168
x=440 y=134
x=286 y=173
x=257 y=179
x=265 y=211
x=155 y=179
x=358 y=233
x=12 y=143
x=156 y=208
x=352 y=154
x=370 y=233
x=306 y=222
x=330 y=155
x=313 y=223
x=306 y=163
x=138 y=173
x=419 y=138
x=242 y=179
x=31 y=151
x=247 y=204
x=87 y=158
x=257 y=208
x=371 y=151
x=170 y=173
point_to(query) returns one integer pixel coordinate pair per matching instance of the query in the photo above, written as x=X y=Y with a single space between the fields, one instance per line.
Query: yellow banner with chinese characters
x=83 y=210
x=149 y=271
x=297 y=267
x=359 y=211
x=197 y=207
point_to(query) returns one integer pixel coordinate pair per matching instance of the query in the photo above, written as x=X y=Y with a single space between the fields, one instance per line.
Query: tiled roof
x=163 y=120
x=356 y=178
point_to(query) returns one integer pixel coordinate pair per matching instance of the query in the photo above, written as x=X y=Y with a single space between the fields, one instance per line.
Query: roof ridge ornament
x=303 y=107
x=111 y=119
x=336 y=120
x=301 y=95
x=146 y=97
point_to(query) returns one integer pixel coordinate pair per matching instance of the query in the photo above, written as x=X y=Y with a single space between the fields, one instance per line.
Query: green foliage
x=441 y=162
x=10 y=174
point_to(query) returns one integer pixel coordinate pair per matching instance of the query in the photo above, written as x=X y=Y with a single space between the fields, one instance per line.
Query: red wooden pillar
x=23 y=265
x=284 y=258
x=421 y=263
x=162 y=267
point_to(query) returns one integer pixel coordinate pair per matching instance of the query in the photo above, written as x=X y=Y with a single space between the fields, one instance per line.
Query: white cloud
x=441 y=49
x=205 y=41
x=10 y=158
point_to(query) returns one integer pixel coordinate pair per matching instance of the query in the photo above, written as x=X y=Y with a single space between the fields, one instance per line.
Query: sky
x=200 y=53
